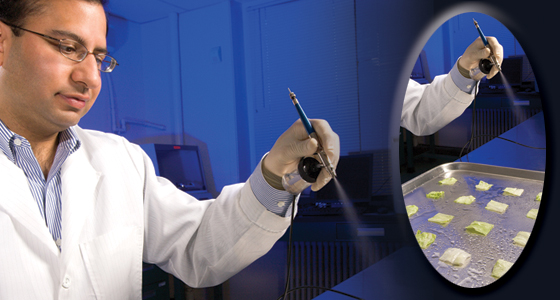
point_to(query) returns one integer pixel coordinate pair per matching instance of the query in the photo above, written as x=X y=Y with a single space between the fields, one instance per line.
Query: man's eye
x=100 y=58
x=68 y=49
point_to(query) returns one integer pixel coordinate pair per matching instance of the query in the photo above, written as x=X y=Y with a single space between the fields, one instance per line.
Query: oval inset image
x=472 y=150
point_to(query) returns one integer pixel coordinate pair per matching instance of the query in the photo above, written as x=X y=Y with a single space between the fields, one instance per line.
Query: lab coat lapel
x=79 y=182
x=19 y=204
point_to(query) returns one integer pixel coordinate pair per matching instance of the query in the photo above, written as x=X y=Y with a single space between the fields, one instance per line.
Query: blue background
x=184 y=79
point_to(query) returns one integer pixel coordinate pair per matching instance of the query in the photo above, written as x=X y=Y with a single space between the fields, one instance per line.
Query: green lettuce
x=496 y=206
x=435 y=194
x=478 y=227
x=425 y=239
x=448 y=181
x=532 y=214
x=509 y=191
x=483 y=186
x=441 y=219
x=411 y=210
x=500 y=268
x=465 y=200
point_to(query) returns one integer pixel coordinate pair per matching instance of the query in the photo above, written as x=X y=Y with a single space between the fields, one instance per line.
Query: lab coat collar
x=18 y=203
x=79 y=182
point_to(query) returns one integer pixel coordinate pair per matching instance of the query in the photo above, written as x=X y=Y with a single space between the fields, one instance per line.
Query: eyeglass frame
x=113 y=62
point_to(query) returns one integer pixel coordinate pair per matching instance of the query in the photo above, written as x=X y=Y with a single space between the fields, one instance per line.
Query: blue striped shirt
x=464 y=84
x=276 y=201
x=46 y=192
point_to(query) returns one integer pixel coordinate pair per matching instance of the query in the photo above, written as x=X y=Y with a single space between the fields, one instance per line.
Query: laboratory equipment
x=485 y=65
x=183 y=166
x=483 y=68
x=301 y=178
x=353 y=191
x=308 y=167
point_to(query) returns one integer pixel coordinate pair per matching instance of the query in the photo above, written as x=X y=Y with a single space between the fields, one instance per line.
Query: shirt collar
x=5 y=136
x=68 y=139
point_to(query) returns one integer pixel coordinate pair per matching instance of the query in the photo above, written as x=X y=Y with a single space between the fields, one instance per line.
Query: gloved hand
x=295 y=143
x=476 y=51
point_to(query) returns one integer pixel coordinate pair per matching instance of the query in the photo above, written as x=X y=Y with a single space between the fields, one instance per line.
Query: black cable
x=286 y=291
x=528 y=75
x=321 y=288
x=469 y=142
x=289 y=251
x=473 y=124
x=499 y=137
x=382 y=185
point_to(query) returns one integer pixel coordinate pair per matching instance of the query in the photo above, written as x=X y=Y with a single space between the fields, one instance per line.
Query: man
x=80 y=210
x=429 y=107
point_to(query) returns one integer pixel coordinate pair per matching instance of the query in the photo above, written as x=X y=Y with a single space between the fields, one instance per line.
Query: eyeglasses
x=77 y=52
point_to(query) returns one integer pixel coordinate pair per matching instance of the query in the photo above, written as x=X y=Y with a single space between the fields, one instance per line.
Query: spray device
x=485 y=64
x=308 y=167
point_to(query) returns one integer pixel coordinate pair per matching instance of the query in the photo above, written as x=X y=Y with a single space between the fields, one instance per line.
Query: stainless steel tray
x=484 y=250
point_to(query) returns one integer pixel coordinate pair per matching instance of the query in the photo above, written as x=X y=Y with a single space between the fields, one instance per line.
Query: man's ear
x=4 y=32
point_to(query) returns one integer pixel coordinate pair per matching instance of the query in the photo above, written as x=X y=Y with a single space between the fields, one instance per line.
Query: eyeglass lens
x=78 y=52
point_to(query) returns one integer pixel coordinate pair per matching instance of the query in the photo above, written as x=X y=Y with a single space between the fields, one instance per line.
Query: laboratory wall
x=208 y=86
x=218 y=73
x=174 y=84
x=334 y=57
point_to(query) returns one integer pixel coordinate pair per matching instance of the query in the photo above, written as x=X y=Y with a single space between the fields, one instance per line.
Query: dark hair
x=16 y=11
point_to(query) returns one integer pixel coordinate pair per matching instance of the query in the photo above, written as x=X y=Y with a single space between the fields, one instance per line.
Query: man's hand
x=295 y=143
x=476 y=51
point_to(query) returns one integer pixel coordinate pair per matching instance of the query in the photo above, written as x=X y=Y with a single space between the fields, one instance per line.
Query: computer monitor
x=182 y=165
x=354 y=173
x=512 y=68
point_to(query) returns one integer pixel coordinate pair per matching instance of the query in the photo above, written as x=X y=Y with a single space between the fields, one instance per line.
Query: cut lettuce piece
x=448 y=181
x=521 y=238
x=411 y=210
x=456 y=257
x=479 y=227
x=483 y=186
x=425 y=239
x=465 y=200
x=500 y=268
x=496 y=206
x=441 y=219
x=435 y=194
x=539 y=196
x=509 y=191
x=532 y=214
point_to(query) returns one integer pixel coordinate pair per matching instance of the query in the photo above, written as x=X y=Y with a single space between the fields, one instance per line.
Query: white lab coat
x=429 y=107
x=117 y=213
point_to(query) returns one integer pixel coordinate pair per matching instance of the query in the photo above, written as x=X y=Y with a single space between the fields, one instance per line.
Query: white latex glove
x=295 y=143
x=476 y=51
